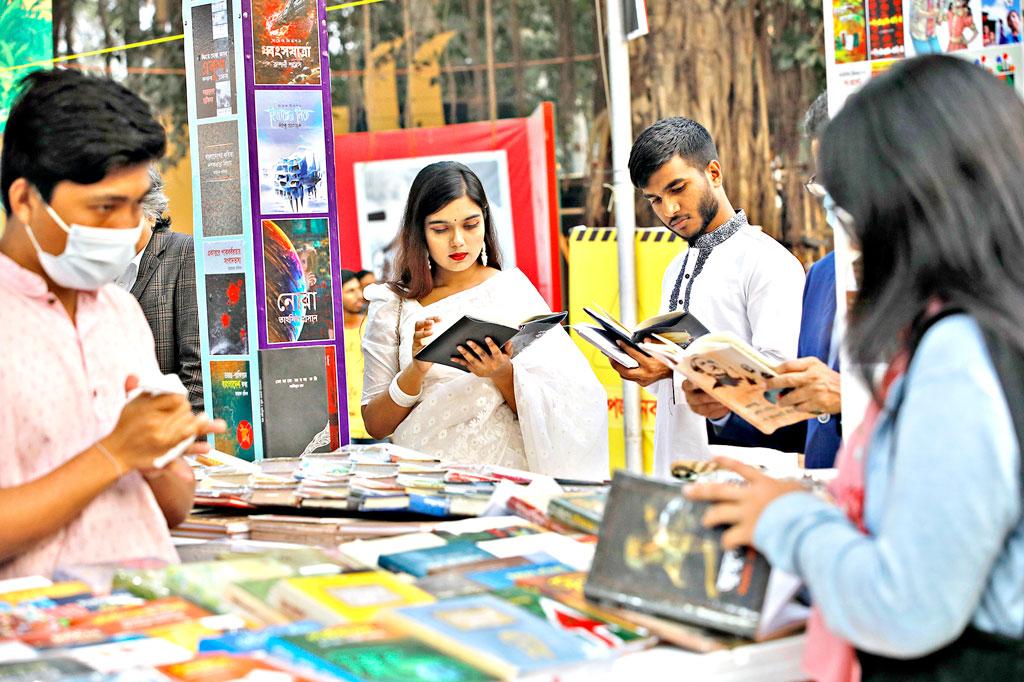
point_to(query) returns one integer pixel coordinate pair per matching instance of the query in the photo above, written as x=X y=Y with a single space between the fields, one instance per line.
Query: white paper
x=164 y=385
x=562 y=548
x=368 y=552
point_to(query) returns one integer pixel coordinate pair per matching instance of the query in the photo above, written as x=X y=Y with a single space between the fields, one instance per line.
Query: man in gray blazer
x=163 y=278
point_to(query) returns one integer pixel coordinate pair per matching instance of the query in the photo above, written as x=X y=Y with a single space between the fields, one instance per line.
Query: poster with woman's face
x=1000 y=22
x=382 y=188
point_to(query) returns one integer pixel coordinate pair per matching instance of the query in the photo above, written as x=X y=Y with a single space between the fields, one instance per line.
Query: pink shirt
x=61 y=390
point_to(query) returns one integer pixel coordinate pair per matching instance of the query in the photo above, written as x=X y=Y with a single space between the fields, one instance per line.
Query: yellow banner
x=425 y=83
x=594 y=279
x=381 y=87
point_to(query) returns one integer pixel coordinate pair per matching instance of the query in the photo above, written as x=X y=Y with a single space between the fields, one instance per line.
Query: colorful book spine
x=431 y=505
x=422 y=562
x=574 y=521
x=521 y=507
x=299 y=657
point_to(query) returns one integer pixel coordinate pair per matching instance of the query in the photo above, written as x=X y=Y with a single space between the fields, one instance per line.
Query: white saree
x=562 y=426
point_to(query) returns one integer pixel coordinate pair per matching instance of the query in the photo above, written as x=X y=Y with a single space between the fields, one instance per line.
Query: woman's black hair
x=436 y=186
x=927 y=160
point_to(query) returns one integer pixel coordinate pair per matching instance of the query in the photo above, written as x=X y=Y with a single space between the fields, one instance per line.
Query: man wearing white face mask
x=77 y=477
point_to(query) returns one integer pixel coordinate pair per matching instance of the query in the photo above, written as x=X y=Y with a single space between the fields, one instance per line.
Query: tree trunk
x=564 y=107
x=713 y=63
x=101 y=12
x=516 y=42
x=476 y=99
x=409 y=33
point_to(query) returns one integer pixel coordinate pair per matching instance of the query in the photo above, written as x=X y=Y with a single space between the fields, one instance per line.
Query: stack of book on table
x=359 y=478
x=473 y=599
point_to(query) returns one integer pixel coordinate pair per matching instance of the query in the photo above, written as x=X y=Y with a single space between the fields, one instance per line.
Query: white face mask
x=92 y=257
x=841 y=222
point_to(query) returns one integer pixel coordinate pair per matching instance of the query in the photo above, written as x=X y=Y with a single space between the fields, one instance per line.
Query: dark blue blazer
x=823 y=435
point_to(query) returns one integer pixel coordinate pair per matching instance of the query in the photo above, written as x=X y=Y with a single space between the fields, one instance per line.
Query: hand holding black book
x=442 y=349
x=679 y=327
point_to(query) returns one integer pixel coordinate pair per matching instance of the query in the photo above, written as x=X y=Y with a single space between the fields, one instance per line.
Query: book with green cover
x=582 y=511
x=205 y=582
x=251 y=598
x=369 y=653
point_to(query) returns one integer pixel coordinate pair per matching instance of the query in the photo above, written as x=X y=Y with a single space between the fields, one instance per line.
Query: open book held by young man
x=733 y=373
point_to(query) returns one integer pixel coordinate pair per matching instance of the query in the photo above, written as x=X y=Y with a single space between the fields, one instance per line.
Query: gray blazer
x=166 y=290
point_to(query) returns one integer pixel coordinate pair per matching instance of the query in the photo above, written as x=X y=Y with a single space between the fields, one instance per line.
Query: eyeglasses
x=816 y=189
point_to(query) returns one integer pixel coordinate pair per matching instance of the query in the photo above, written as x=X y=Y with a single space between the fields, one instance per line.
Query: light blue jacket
x=942 y=505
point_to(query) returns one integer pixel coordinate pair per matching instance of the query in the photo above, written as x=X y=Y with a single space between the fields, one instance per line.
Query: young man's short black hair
x=363 y=273
x=65 y=125
x=676 y=136
x=347 y=276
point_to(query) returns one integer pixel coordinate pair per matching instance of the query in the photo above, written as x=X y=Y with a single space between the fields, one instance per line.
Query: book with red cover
x=104 y=625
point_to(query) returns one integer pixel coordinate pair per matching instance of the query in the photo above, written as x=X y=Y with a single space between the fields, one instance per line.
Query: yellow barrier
x=594 y=279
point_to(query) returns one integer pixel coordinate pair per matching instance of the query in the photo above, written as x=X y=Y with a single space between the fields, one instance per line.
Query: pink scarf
x=828 y=658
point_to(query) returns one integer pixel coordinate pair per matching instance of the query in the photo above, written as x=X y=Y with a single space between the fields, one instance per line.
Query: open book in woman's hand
x=444 y=347
x=732 y=372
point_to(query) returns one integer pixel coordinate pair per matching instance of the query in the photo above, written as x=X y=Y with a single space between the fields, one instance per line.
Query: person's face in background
x=352 y=300
x=1013 y=21
x=147 y=233
x=455 y=235
x=367 y=279
x=115 y=202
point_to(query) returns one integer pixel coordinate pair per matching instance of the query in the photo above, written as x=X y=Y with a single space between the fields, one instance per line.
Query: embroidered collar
x=704 y=244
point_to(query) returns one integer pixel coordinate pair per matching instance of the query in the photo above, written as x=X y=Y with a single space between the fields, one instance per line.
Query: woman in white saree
x=543 y=410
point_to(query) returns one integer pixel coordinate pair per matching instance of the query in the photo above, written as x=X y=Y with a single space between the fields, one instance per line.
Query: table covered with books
x=376 y=563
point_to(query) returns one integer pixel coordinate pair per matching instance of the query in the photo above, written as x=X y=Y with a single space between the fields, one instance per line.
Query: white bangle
x=400 y=397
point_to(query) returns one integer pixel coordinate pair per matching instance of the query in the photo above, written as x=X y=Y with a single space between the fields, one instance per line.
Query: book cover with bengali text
x=299 y=395
x=232 y=402
x=213 y=59
x=226 y=322
x=291 y=150
x=285 y=42
x=220 y=197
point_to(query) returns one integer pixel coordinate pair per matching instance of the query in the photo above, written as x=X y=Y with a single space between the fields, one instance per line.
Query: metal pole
x=620 y=117
x=492 y=97
x=410 y=54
